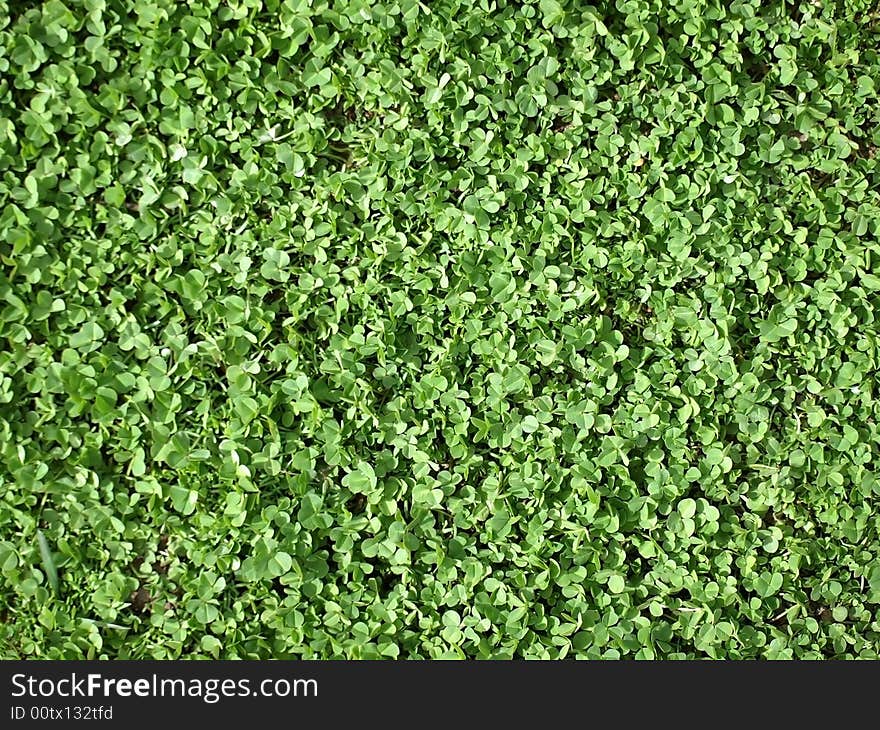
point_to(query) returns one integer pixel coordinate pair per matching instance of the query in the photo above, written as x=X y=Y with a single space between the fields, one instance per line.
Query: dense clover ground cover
x=439 y=329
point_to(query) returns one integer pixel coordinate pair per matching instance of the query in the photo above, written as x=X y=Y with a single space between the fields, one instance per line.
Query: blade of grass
x=48 y=563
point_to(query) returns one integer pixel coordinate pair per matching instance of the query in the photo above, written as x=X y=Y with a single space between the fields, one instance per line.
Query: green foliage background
x=445 y=329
